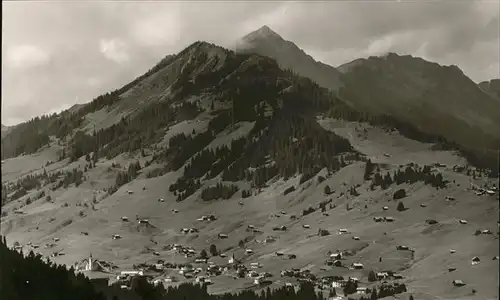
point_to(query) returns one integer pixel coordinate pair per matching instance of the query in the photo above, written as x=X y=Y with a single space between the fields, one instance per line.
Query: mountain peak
x=264 y=32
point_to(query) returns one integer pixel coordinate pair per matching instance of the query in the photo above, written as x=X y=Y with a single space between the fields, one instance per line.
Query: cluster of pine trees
x=31 y=277
x=411 y=174
x=218 y=191
x=124 y=177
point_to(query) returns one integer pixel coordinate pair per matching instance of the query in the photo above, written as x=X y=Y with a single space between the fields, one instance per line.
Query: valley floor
x=425 y=270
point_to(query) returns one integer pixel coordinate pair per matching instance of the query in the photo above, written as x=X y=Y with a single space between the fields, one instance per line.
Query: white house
x=357 y=265
x=132 y=273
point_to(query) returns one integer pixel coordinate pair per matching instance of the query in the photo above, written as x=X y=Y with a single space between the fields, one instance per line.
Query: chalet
x=423 y=205
x=463 y=221
x=389 y=219
x=402 y=247
x=453 y=251
x=124 y=219
x=222 y=236
x=386 y=155
x=325 y=214
x=495 y=257
x=475 y=260
x=132 y=273
x=175 y=211
x=385 y=208
x=193 y=230
x=279 y=253
x=223 y=255
x=450 y=198
x=431 y=221
x=361 y=290
x=452 y=269
x=343 y=231
x=161 y=200
x=241 y=203
x=185 y=230
x=336 y=263
x=306 y=226
x=397 y=276
x=255 y=265
x=486 y=231
x=248 y=251
x=490 y=192
x=283 y=228
x=457 y=282
x=378 y=219
x=250 y=227
x=292 y=256
x=357 y=266
x=56 y=239
x=336 y=255
x=116 y=237
x=356 y=238
x=130 y=192
x=269 y=239
x=201 y=261
x=156 y=253
x=143 y=221
x=382 y=275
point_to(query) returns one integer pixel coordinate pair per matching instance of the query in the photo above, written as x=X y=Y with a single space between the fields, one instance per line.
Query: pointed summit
x=263 y=33
x=266 y=42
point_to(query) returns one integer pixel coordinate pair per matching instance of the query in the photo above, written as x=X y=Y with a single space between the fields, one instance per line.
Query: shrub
x=310 y=210
x=327 y=190
x=289 y=190
x=372 y=276
x=401 y=206
x=399 y=194
x=203 y=254
x=213 y=250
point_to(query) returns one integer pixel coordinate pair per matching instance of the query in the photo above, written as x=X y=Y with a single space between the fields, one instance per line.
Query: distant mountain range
x=426 y=97
x=435 y=99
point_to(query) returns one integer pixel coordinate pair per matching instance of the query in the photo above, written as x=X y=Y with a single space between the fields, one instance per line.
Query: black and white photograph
x=250 y=150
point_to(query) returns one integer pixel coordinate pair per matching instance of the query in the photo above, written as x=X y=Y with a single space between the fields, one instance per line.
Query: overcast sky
x=56 y=54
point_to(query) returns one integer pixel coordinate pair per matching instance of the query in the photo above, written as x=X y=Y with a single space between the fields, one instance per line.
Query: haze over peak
x=264 y=32
x=265 y=41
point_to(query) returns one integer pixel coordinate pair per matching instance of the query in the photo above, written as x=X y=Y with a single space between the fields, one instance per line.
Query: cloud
x=114 y=50
x=26 y=56
x=56 y=51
